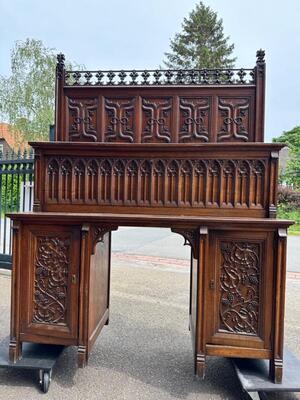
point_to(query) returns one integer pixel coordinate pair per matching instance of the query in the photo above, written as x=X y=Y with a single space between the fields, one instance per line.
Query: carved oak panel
x=49 y=282
x=51 y=273
x=240 y=288
x=82 y=121
x=119 y=120
x=233 y=119
x=194 y=114
x=240 y=276
x=156 y=119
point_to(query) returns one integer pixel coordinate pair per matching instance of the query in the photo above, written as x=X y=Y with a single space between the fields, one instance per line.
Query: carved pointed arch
x=79 y=181
x=158 y=182
x=118 y=182
x=105 y=167
x=243 y=184
x=227 y=188
x=53 y=179
x=171 y=183
x=132 y=178
x=105 y=180
x=92 y=167
x=145 y=168
x=66 y=168
x=257 y=187
x=213 y=184
x=145 y=182
x=185 y=183
x=199 y=183
x=92 y=180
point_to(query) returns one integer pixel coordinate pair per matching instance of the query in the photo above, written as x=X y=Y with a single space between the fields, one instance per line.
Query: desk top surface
x=148 y=220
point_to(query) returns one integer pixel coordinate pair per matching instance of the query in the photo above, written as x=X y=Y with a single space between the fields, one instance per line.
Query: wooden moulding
x=211 y=179
x=151 y=220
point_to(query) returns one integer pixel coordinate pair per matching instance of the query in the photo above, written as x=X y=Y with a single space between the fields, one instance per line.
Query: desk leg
x=276 y=363
x=109 y=275
x=200 y=329
x=15 y=346
x=95 y=287
x=199 y=243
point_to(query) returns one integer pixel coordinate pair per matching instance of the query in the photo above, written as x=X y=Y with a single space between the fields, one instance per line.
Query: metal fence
x=16 y=194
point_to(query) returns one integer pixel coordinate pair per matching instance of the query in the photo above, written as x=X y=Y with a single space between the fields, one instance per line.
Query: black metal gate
x=16 y=194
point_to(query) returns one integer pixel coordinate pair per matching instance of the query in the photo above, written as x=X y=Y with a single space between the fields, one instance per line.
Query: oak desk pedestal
x=61 y=273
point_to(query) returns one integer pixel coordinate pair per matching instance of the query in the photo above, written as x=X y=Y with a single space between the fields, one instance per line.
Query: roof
x=10 y=137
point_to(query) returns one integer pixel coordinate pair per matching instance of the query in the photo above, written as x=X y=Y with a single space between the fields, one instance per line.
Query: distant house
x=8 y=142
x=283 y=159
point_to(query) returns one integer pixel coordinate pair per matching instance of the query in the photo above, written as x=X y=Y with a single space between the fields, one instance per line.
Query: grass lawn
x=293 y=215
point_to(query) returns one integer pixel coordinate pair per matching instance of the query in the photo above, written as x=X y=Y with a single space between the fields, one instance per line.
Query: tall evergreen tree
x=202 y=43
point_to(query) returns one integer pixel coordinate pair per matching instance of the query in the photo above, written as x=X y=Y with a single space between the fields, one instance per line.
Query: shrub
x=288 y=199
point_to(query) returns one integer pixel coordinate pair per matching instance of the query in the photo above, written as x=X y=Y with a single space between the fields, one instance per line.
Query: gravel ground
x=145 y=353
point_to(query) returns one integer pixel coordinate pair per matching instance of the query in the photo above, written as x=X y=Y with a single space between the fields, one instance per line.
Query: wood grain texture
x=203 y=179
x=175 y=149
x=229 y=253
x=141 y=106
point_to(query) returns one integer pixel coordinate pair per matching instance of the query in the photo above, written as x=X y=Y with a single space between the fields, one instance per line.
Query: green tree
x=202 y=43
x=292 y=173
x=27 y=95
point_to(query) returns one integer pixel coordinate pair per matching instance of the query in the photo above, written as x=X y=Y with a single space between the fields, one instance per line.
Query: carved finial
x=60 y=64
x=60 y=59
x=260 y=56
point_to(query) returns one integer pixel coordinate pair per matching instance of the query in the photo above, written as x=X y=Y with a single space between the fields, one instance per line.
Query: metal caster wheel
x=45 y=379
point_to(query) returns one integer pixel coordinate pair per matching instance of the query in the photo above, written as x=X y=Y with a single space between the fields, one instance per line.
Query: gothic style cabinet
x=237 y=294
x=60 y=286
x=49 y=283
x=240 y=277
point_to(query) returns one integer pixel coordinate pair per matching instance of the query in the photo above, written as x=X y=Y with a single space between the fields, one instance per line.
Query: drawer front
x=240 y=287
x=49 y=285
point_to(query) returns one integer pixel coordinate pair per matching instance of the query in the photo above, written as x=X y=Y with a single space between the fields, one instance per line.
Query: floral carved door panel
x=240 y=289
x=50 y=281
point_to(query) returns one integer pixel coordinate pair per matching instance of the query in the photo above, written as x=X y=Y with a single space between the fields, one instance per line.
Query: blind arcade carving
x=198 y=180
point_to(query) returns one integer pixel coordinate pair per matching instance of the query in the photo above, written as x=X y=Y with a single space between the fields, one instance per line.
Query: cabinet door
x=49 y=286
x=239 y=287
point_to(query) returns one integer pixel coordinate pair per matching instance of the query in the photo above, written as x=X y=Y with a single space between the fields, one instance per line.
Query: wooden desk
x=179 y=149
x=61 y=270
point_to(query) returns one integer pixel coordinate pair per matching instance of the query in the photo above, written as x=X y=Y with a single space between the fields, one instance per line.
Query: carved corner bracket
x=282 y=232
x=191 y=238
x=99 y=232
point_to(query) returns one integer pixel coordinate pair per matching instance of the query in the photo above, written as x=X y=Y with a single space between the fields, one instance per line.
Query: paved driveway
x=164 y=243
x=145 y=352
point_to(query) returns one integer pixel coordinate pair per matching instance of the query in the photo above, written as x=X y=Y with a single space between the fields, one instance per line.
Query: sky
x=135 y=34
